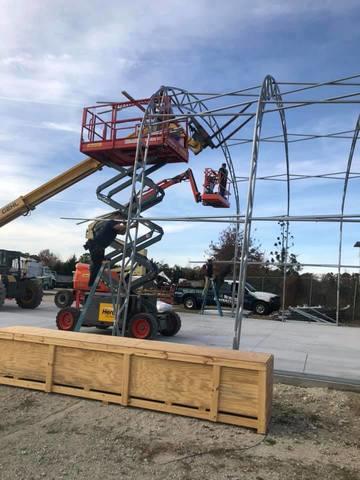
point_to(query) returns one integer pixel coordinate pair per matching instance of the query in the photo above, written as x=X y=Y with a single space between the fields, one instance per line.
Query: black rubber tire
x=64 y=298
x=32 y=294
x=173 y=324
x=190 y=303
x=2 y=293
x=261 y=308
x=142 y=326
x=66 y=318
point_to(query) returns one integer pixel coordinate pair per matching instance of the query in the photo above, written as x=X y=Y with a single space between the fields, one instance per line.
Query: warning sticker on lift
x=106 y=312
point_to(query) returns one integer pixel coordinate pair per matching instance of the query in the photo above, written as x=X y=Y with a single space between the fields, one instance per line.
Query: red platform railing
x=114 y=127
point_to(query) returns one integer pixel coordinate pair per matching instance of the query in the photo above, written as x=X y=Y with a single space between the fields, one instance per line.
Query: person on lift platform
x=223 y=177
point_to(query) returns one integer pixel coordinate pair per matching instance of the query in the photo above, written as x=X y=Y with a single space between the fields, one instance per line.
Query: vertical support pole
x=113 y=125
x=356 y=285
x=247 y=221
x=286 y=248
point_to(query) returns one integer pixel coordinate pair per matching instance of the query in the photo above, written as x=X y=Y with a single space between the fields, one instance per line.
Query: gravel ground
x=314 y=434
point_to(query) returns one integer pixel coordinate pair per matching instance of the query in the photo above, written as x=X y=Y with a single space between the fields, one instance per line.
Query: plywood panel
x=239 y=392
x=87 y=369
x=23 y=360
x=171 y=382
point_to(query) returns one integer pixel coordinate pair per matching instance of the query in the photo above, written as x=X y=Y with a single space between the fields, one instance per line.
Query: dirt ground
x=314 y=434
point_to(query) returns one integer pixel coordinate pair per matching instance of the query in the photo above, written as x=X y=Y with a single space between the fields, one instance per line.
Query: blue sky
x=59 y=56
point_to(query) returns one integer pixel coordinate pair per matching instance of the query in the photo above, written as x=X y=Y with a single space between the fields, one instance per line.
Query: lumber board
x=212 y=384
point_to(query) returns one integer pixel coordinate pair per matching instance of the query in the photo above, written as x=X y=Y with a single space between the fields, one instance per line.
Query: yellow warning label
x=92 y=145
x=106 y=312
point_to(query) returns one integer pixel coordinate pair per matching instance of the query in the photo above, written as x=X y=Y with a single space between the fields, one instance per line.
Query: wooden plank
x=216 y=374
x=269 y=390
x=175 y=409
x=90 y=394
x=246 y=359
x=50 y=368
x=126 y=379
x=262 y=420
x=238 y=420
x=210 y=384
x=15 y=382
x=44 y=335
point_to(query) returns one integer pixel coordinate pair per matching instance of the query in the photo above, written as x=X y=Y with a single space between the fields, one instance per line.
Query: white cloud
x=32 y=234
x=63 y=127
x=170 y=228
x=60 y=55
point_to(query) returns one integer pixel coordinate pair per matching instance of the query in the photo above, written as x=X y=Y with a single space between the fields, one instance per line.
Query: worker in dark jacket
x=223 y=177
x=208 y=269
x=102 y=235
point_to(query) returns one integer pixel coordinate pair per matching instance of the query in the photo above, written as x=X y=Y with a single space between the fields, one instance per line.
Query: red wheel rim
x=141 y=328
x=66 y=320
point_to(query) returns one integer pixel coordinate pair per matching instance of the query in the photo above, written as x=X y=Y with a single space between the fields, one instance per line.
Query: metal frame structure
x=223 y=119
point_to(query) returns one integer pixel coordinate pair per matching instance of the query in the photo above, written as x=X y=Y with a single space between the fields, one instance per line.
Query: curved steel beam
x=346 y=182
x=134 y=211
x=269 y=90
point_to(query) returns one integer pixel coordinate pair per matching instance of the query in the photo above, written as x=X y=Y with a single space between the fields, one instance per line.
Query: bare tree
x=281 y=254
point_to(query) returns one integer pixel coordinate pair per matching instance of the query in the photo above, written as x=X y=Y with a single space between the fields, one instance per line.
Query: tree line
x=264 y=274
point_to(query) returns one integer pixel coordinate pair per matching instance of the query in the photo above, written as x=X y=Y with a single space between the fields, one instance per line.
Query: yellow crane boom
x=24 y=204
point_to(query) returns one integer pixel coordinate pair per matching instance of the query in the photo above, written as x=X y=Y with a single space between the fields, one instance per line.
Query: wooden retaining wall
x=208 y=383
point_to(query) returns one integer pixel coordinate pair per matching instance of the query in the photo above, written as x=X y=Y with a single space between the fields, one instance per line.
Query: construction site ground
x=299 y=347
x=314 y=432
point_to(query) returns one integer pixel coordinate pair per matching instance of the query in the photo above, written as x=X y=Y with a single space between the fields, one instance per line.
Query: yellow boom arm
x=24 y=204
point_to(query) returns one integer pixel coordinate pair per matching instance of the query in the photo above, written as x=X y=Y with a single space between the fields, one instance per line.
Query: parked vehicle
x=16 y=282
x=64 y=281
x=262 y=303
x=48 y=278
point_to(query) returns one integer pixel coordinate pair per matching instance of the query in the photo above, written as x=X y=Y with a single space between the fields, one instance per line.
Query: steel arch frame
x=190 y=105
x=269 y=90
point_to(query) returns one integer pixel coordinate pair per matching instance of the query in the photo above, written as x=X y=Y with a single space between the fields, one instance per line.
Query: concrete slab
x=297 y=346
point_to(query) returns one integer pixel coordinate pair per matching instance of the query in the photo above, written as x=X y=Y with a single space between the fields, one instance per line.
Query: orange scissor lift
x=110 y=134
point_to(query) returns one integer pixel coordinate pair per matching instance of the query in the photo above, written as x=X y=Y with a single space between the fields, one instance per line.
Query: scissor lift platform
x=110 y=134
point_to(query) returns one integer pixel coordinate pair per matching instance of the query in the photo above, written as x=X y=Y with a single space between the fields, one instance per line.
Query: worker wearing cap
x=103 y=234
